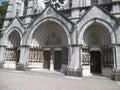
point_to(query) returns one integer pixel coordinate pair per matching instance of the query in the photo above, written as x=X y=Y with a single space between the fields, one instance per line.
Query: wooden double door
x=95 y=61
x=57 y=59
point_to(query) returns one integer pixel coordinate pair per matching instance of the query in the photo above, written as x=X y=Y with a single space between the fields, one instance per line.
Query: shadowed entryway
x=48 y=44
x=12 y=53
x=97 y=51
x=58 y=60
x=95 y=62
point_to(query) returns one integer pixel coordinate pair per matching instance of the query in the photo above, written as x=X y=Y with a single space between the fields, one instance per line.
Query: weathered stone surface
x=116 y=75
x=82 y=28
x=76 y=73
x=21 y=67
x=1 y=65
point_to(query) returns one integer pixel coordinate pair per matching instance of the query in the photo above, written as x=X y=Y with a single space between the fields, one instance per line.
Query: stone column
x=75 y=12
x=116 y=9
x=118 y=56
x=51 y=65
x=74 y=62
x=116 y=70
x=52 y=60
x=30 y=11
x=114 y=57
x=2 y=55
x=24 y=55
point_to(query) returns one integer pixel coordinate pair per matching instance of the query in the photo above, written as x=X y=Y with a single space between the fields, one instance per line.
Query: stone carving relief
x=53 y=40
x=49 y=11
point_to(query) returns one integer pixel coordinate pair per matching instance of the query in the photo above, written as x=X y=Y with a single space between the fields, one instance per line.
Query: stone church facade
x=74 y=37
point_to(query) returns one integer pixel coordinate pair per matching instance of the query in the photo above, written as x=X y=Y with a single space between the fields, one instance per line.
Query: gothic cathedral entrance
x=12 y=53
x=51 y=42
x=97 y=40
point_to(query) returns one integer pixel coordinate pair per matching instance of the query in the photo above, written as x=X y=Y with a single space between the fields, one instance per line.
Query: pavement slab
x=20 y=80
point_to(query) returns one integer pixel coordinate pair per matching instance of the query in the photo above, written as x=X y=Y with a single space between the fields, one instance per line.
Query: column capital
x=115 y=44
x=75 y=45
x=24 y=46
x=3 y=46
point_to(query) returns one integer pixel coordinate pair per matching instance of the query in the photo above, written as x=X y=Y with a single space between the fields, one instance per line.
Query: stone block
x=21 y=67
x=76 y=73
x=107 y=72
x=63 y=69
x=1 y=65
x=116 y=75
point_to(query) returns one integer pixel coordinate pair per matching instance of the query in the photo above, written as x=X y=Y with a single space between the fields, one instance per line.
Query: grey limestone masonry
x=74 y=37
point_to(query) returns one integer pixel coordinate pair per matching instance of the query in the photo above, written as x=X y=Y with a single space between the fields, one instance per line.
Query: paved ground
x=18 y=80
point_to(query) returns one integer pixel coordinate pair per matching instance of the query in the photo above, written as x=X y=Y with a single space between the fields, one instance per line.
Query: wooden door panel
x=95 y=62
x=46 y=64
x=58 y=60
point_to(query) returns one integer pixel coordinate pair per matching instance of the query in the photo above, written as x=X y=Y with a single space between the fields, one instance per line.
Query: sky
x=3 y=0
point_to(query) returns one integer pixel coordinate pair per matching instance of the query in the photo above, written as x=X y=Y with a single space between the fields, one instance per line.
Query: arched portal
x=97 y=50
x=50 y=41
x=12 y=53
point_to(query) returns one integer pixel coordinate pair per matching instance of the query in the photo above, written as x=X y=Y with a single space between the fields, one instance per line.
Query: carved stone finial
x=49 y=11
x=17 y=13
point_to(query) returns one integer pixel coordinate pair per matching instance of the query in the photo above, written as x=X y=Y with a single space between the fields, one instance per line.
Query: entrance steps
x=96 y=76
x=41 y=73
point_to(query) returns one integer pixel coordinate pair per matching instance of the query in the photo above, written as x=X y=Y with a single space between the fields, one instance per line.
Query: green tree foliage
x=3 y=9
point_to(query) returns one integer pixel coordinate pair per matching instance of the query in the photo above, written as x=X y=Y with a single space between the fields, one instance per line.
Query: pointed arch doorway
x=98 y=41
x=53 y=56
x=52 y=41
x=12 y=53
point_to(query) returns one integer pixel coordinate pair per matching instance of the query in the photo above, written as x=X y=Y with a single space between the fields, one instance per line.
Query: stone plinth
x=1 y=65
x=21 y=67
x=116 y=75
x=76 y=73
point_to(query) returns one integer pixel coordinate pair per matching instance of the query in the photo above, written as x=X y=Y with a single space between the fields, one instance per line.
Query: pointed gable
x=97 y=12
x=50 y=14
x=16 y=22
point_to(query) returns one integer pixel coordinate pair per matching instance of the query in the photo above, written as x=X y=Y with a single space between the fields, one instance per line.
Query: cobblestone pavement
x=20 y=80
